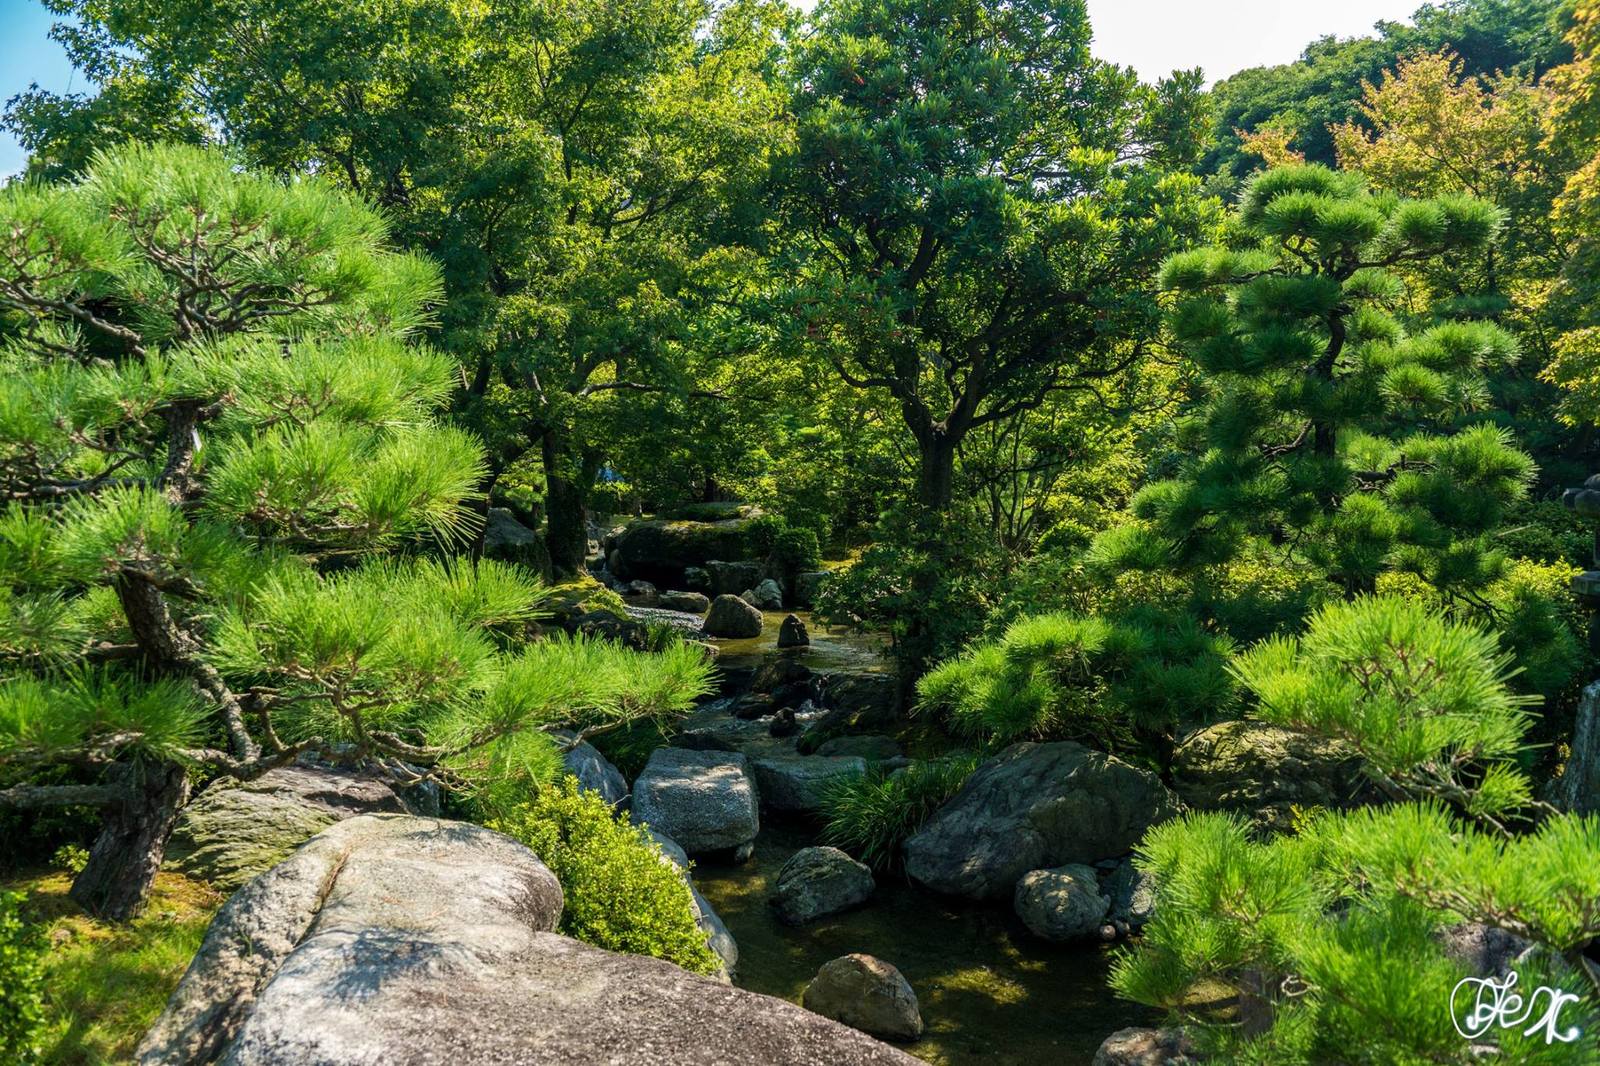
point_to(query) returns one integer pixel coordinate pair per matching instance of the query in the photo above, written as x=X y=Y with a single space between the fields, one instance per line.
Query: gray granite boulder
x=416 y=942
x=593 y=770
x=1063 y=904
x=732 y=578
x=705 y=800
x=798 y=784
x=766 y=596
x=687 y=602
x=1146 y=1047
x=1031 y=807
x=817 y=882
x=1132 y=893
x=507 y=539
x=1263 y=772
x=865 y=993
x=235 y=830
x=733 y=618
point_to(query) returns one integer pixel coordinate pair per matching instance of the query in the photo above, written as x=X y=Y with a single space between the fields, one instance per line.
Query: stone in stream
x=781 y=671
x=687 y=602
x=784 y=723
x=641 y=594
x=766 y=596
x=867 y=994
x=235 y=830
x=798 y=784
x=413 y=942
x=792 y=633
x=1146 y=1047
x=731 y=578
x=1132 y=893
x=733 y=618
x=704 y=800
x=1063 y=904
x=754 y=705
x=718 y=938
x=1263 y=772
x=817 y=882
x=593 y=770
x=1031 y=807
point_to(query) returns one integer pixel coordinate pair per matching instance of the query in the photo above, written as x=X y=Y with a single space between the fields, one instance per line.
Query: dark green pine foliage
x=1328 y=429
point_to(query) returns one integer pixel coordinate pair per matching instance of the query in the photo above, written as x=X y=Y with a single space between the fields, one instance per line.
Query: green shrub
x=872 y=814
x=789 y=549
x=619 y=892
x=1085 y=676
x=21 y=983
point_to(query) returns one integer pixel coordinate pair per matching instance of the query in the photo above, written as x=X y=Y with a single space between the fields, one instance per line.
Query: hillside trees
x=973 y=225
x=214 y=426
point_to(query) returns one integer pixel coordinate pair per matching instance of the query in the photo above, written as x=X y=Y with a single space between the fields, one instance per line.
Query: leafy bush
x=619 y=892
x=21 y=983
x=1082 y=676
x=789 y=549
x=872 y=814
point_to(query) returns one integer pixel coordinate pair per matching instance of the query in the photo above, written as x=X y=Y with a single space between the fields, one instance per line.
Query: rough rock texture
x=506 y=538
x=704 y=800
x=1485 y=950
x=817 y=882
x=713 y=728
x=1145 y=1047
x=414 y=942
x=641 y=594
x=1063 y=904
x=857 y=703
x=808 y=586
x=594 y=771
x=687 y=602
x=1030 y=807
x=718 y=938
x=1132 y=893
x=660 y=550
x=872 y=747
x=796 y=784
x=867 y=994
x=793 y=633
x=234 y=830
x=732 y=617
x=1262 y=771
x=767 y=596
x=732 y=578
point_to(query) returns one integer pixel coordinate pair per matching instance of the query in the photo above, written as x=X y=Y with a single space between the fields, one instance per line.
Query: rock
x=1132 y=893
x=641 y=594
x=817 y=882
x=784 y=723
x=1063 y=904
x=696 y=579
x=754 y=705
x=766 y=596
x=718 y=938
x=730 y=578
x=593 y=770
x=663 y=549
x=1031 y=807
x=687 y=602
x=1485 y=950
x=233 y=831
x=873 y=748
x=792 y=633
x=704 y=800
x=808 y=587
x=797 y=784
x=857 y=703
x=867 y=994
x=414 y=942
x=1146 y=1047
x=507 y=539
x=780 y=671
x=733 y=618
x=1263 y=771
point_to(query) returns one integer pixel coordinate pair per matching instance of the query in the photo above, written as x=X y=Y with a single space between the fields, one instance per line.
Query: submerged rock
x=867 y=994
x=820 y=881
x=792 y=633
x=704 y=800
x=1263 y=771
x=413 y=942
x=1063 y=904
x=1031 y=807
x=732 y=618
x=235 y=830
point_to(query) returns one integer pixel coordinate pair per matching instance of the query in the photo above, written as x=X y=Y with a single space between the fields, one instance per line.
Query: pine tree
x=214 y=426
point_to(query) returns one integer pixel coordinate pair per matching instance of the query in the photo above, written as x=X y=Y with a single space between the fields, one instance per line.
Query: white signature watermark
x=1478 y=1004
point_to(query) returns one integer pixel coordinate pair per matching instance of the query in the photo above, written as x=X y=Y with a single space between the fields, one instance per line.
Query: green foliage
x=1089 y=677
x=872 y=814
x=22 y=983
x=789 y=549
x=618 y=891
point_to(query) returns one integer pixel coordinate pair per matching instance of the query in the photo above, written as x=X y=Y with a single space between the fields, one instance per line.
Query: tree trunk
x=566 y=529
x=123 y=862
x=936 y=472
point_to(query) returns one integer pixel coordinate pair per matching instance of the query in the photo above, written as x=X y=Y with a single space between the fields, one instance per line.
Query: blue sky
x=1152 y=36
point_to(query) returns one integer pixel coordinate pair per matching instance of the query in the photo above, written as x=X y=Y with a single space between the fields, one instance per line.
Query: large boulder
x=729 y=578
x=661 y=549
x=766 y=596
x=1146 y=1047
x=235 y=830
x=793 y=633
x=414 y=942
x=1030 y=807
x=733 y=618
x=817 y=882
x=687 y=602
x=873 y=747
x=867 y=994
x=594 y=771
x=798 y=784
x=857 y=703
x=1132 y=893
x=1063 y=904
x=718 y=938
x=508 y=539
x=1263 y=772
x=704 y=800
